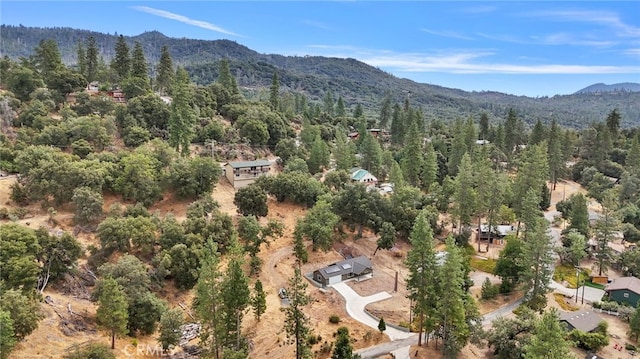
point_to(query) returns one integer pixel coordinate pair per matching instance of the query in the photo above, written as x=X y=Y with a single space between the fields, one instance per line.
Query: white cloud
x=316 y=24
x=632 y=52
x=184 y=19
x=603 y=18
x=449 y=34
x=460 y=62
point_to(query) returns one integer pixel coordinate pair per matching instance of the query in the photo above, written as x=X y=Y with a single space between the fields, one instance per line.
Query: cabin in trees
x=496 y=235
x=363 y=176
x=583 y=320
x=624 y=290
x=347 y=269
x=244 y=173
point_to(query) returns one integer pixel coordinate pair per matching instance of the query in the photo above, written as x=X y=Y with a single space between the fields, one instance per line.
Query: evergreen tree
x=633 y=156
x=342 y=348
x=458 y=147
x=430 y=168
x=226 y=79
x=92 y=59
x=183 y=118
x=112 y=313
x=537 y=261
x=509 y=265
x=413 y=160
x=344 y=152
x=548 y=340
x=512 y=132
x=484 y=126
x=385 y=112
x=382 y=326
x=165 y=76
x=236 y=297
x=605 y=226
x=538 y=134
x=299 y=249
x=423 y=275
x=274 y=93
x=358 y=112
x=454 y=328
x=397 y=126
x=319 y=155
x=296 y=323
x=340 y=110
x=465 y=196
x=613 y=123
x=170 y=332
x=387 y=237
x=82 y=58
x=396 y=176
x=554 y=153
x=139 y=63
x=579 y=214
x=329 y=103
x=208 y=301
x=258 y=300
x=47 y=59
x=121 y=62
x=371 y=154
x=533 y=169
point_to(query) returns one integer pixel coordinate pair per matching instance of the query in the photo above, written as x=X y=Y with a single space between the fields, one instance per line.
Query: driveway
x=355 y=308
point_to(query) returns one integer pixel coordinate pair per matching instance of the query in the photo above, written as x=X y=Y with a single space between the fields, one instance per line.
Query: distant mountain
x=353 y=80
x=621 y=87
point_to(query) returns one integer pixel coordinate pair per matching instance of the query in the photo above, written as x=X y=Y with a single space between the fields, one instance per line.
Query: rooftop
x=245 y=164
x=355 y=265
x=583 y=320
x=629 y=283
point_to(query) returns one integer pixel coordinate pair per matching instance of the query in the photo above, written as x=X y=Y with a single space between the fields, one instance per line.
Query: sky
x=533 y=48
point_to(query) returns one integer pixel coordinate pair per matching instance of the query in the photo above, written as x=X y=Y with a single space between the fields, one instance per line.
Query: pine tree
x=296 y=323
x=183 y=118
x=319 y=155
x=47 y=59
x=274 y=93
x=430 y=168
x=633 y=156
x=423 y=275
x=548 y=339
x=299 y=249
x=458 y=148
x=385 y=112
x=465 y=195
x=579 y=215
x=259 y=300
x=344 y=152
x=139 y=63
x=511 y=133
x=329 y=103
x=226 y=79
x=112 y=313
x=451 y=306
x=82 y=58
x=371 y=154
x=413 y=160
x=236 y=297
x=397 y=126
x=605 y=226
x=613 y=123
x=165 y=71
x=342 y=348
x=484 y=126
x=208 y=300
x=537 y=261
x=533 y=170
x=92 y=59
x=382 y=326
x=538 y=134
x=358 y=112
x=340 y=110
x=554 y=153
x=396 y=176
x=121 y=62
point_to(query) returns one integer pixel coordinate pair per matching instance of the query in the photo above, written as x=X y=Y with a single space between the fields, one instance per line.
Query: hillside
x=619 y=87
x=355 y=81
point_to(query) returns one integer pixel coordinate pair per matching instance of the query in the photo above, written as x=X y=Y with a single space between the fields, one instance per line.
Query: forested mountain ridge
x=355 y=81
x=619 y=87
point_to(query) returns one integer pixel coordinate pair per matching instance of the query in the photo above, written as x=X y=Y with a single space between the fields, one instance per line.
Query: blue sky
x=523 y=48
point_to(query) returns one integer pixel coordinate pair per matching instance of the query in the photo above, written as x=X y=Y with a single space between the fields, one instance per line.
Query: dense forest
x=72 y=145
x=356 y=82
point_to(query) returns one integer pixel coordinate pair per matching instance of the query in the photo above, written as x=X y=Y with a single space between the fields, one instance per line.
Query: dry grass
x=565 y=303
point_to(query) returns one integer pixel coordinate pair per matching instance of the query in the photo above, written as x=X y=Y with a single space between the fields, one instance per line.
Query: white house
x=363 y=176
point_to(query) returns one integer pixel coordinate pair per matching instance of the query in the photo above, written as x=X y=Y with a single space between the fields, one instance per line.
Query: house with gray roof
x=334 y=273
x=583 y=320
x=244 y=173
x=624 y=290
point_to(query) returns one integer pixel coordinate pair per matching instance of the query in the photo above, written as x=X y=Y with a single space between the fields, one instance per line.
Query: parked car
x=282 y=293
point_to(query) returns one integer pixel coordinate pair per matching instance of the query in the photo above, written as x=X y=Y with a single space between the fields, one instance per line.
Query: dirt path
x=274 y=276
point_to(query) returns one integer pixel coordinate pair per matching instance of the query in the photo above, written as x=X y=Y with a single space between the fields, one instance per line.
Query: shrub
x=489 y=291
x=589 y=341
x=93 y=351
x=334 y=319
x=630 y=347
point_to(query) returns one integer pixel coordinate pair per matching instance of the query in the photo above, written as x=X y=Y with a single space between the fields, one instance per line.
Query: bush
x=334 y=319
x=589 y=341
x=489 y=290
x=630 y=347
x=92 y=351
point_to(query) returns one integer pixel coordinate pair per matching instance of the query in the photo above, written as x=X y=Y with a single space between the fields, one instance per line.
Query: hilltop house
x=497 y=233
x=363 y=176
x=344 y=270
x=244 y=173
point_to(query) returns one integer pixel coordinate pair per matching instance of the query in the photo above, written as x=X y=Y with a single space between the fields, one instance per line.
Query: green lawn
x=483 y=265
